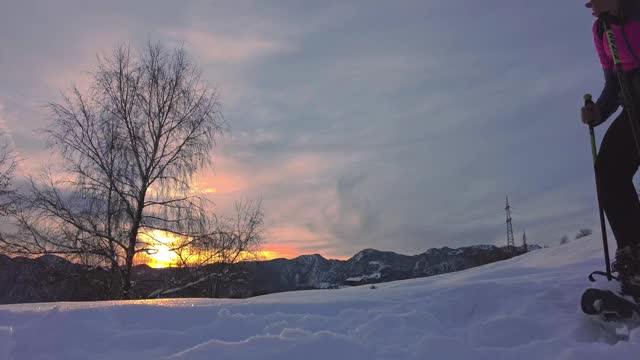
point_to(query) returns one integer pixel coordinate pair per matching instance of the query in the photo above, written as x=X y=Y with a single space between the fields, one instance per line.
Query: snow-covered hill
x=523 y=308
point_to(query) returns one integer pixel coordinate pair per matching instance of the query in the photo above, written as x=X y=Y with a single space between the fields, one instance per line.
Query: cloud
x=213 y=47
x=304 y=239
x=4 y=130
x=400 y=127
x=7 y=137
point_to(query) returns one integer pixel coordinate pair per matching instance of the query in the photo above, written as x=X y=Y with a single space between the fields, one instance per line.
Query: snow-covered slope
x=523 y=308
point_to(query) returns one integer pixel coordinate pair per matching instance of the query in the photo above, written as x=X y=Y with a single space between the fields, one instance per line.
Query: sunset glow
x=160 y=251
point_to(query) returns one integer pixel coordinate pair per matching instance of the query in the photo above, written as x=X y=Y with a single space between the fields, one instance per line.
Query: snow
x=375 y=275
x=524 y=308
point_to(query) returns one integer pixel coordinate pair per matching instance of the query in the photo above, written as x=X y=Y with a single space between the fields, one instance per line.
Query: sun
x=162 y=256
x=158 y=247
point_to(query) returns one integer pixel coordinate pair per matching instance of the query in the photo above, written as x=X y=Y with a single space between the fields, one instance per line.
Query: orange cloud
x=299 y=240
x=277 y=251
x=287 y=235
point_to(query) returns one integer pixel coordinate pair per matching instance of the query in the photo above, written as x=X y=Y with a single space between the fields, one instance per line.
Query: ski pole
x=588 y=99
x=629 y=105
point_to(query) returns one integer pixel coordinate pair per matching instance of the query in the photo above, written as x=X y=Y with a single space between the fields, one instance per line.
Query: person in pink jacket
x=618 y=160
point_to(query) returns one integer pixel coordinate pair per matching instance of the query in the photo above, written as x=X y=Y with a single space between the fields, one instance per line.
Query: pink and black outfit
x=618 y=160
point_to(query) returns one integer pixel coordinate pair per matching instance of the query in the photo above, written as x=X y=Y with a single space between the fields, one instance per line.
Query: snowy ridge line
x=524 y=308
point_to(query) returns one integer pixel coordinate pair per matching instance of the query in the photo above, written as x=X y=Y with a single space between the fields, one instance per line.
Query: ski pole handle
x=588 y=99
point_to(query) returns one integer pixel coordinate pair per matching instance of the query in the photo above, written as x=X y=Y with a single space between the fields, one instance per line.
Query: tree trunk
x=126 y=278
x=216 y=293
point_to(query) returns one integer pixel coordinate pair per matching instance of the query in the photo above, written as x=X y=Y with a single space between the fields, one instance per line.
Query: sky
x=399 y=126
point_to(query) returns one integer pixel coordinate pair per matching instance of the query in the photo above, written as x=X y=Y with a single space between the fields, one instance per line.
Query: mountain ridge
x=53 y=278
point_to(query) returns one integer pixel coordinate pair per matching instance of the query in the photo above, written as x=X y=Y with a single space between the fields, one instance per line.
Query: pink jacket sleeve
x=605 y=59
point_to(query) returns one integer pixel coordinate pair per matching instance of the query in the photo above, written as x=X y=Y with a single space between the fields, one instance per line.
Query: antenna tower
x=510 y=238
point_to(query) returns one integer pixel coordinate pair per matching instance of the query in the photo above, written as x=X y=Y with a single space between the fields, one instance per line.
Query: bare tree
x=129 y=148
x=564 y=240
x=8 y=163
x=213 y=258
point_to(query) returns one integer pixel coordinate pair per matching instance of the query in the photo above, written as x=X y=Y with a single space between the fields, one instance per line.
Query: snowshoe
x=614 y=313
x=609 y=305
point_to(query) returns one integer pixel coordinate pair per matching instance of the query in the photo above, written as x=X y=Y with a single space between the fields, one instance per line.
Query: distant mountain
x=368 y=266
x=51 y=278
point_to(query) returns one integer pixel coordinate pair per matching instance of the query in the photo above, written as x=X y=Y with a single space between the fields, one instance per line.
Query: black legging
x=617 y=163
